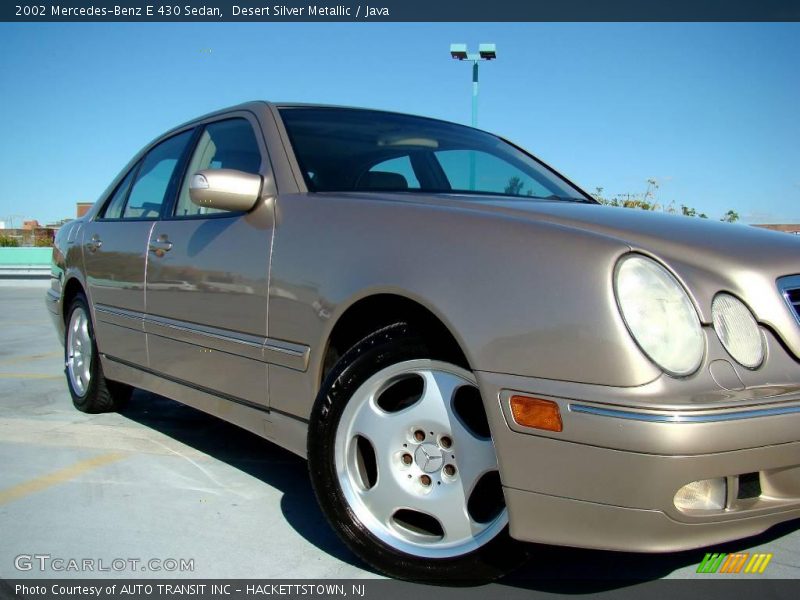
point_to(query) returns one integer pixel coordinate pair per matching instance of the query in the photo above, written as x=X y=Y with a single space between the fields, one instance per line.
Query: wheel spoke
x=448 y=505
x=434 y=404
x=475 y=458
x=86 y=374
x=384 y=498
x=372 y=422
x=455 y=520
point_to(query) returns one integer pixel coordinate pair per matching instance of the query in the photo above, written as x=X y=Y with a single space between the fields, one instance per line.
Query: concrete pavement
x=163 y=482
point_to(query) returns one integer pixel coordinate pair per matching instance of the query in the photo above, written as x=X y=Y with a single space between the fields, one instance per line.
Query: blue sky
x=710 y=111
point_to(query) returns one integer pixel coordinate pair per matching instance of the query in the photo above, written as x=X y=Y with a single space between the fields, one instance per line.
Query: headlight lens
x=659 y=315
x=738 y=330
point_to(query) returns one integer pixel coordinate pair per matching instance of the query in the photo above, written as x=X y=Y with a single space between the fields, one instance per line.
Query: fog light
x=706 y=494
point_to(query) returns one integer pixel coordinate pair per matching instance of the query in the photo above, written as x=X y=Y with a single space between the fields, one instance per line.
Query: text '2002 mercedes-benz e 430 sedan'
x=471 y=352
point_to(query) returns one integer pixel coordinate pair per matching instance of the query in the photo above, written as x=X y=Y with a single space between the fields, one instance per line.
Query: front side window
x=154 y=178
x=227 y=144
x=341 y=149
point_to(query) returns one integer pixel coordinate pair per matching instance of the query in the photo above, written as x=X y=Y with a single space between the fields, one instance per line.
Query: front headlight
x=659 y=314
x=737 y=330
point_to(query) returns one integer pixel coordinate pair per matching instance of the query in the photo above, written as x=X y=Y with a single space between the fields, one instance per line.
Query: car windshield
x=342 y=149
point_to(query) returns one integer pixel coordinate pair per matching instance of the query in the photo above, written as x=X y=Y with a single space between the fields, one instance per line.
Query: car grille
x=790 y=288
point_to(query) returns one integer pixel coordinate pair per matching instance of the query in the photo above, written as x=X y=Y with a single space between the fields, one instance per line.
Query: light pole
x=485 y=52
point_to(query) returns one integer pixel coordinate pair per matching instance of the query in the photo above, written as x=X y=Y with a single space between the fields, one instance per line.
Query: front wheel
x=404 y=467
x=91 y=392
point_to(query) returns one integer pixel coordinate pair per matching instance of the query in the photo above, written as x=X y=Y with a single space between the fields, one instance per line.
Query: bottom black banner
x=253 y=589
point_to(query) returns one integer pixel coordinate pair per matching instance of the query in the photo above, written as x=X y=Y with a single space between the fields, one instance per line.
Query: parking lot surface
x=161 y=482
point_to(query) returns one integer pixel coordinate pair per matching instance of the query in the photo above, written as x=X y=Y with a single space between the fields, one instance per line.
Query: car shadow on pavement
x=579 y=571
x=551 y=569
x=250 y=454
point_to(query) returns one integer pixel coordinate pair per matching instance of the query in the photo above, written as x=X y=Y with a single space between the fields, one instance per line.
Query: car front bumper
x=608 y=480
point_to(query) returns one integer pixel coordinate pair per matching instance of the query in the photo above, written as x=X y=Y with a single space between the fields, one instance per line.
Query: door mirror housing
x=225 y=189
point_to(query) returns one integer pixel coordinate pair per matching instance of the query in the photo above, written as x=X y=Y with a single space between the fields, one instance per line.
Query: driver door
x=207 y=275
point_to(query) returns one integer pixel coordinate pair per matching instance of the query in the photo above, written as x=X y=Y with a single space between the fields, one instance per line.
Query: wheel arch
x=371 y=312
x=72 y=288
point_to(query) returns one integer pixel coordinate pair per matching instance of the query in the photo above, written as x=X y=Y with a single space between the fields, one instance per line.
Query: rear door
x=207 y=275
x=115 y=250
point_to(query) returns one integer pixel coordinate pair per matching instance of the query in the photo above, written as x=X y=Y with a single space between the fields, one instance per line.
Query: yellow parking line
x=28 y=357
x=40 y=483
x=28 y=376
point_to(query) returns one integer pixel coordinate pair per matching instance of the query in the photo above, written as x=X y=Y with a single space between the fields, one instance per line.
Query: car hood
x=685 y=239
x=689 y=240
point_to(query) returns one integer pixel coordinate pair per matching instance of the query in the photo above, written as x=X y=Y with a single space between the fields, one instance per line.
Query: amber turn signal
x=536 y=413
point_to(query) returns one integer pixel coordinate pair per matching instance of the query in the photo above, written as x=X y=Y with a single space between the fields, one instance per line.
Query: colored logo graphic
x=740 y=562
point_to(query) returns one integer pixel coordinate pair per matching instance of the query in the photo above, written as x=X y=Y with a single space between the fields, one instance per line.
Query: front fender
x=522 y=297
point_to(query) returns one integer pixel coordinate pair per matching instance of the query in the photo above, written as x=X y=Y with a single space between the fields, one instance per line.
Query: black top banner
x=399 y=10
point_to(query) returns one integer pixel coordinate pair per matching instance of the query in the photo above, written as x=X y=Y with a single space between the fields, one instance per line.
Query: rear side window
x=154 y=178
x=227 y=144
x=116 y=205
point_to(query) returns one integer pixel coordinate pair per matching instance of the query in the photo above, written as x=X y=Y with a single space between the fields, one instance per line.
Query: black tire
x=94 y=394
x=391 y=347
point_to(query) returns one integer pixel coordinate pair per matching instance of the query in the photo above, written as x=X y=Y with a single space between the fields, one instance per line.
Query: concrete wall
x=26 y=256
x=25 y=263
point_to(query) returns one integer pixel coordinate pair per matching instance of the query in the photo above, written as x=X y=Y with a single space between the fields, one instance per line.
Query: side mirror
x=225 y=189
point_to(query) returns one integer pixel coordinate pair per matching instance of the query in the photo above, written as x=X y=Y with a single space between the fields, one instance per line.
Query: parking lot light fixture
x=485 y=52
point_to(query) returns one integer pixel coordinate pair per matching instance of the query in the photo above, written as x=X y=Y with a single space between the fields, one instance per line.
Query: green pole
x=474 y=122
x=475 y=93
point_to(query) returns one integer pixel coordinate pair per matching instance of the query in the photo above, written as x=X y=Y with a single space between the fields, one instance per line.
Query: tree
x=687 y=211
x=646 y=201
x=730 y=217
x=514 y=186
x=627 y=200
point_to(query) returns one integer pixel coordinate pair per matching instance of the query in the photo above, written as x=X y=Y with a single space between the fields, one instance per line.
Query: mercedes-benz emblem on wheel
x=429 y=458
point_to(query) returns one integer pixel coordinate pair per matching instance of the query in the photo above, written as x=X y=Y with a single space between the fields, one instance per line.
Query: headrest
x=382 y=180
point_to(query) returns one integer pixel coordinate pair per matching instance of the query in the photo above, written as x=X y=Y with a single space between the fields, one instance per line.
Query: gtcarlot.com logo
x=46 y=562
x=739 y=562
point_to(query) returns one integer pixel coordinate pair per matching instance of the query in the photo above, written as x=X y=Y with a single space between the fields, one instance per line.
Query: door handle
x=161 y=245
x=94 y=244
